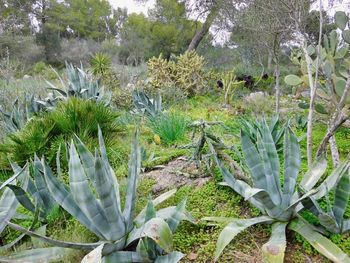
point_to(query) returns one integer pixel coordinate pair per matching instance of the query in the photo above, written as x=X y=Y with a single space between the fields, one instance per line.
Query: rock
x=27 y=77
x=192 y=256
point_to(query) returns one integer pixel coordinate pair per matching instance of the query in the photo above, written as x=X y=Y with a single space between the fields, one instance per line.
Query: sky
x=132 y=6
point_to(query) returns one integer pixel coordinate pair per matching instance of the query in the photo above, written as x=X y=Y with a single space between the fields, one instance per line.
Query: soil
x=178 y=172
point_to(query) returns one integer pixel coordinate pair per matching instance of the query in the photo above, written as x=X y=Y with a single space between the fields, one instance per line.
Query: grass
x=170 y=127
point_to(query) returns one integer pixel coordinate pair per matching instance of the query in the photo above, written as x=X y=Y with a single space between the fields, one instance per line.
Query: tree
x=266 y=24
x=167 y=30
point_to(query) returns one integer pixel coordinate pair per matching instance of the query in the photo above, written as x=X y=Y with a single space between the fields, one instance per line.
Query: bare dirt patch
x=176 y=173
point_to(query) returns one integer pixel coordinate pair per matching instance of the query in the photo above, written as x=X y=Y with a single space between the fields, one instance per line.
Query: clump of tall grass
x=171 y=127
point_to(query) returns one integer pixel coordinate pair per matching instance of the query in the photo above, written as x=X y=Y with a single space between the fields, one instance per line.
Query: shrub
x=44 y=133
x=171 y=127
x=186 y=72
x=100 y=64
x=258 y=103
x=39 y=67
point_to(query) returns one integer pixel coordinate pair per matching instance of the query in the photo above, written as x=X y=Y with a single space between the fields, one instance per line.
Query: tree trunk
x=336 y=123
x=269 y=61
x=311 y=108
x=277 y=86
x=198 y=37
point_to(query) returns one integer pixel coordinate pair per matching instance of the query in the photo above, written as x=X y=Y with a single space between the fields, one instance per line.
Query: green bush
x=186 y=73
x=45 y=133
x=170 y=127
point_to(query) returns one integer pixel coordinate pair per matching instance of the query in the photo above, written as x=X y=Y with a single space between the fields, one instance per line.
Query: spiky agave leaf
x=273 y=250
x=8 y=201
x=233 y=229
x=318 y=241
x=37 y=255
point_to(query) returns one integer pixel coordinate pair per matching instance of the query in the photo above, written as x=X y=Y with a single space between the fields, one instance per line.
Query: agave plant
x=22 y=112
x=254 y=127
x=100 y=210
x=278 y=204
x=8 y=201
x=81 y=85
x=333 y=219
x=35 y=197
x=145 y=105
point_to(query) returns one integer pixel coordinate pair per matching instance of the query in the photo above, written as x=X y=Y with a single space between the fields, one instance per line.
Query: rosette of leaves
x=93 y=198
x=79 y=84
x=146 y=105
x=254 y=128
x=278 y=204
x=21 y=113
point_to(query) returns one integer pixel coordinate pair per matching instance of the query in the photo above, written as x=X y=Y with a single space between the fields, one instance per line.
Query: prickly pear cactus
x=334 y=65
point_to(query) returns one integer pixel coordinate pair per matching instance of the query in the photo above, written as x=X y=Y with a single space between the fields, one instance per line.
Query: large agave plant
x=21 y=113
x=278 y=204
x=333 y=218
x=81 y=85
x=94 y=200
x=145 y=105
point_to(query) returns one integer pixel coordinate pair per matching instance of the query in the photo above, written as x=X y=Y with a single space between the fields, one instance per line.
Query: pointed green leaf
x=140 y=219
x=82 y=194
x=312 y=176
x=43 y=255
x=134 y=171
x=172 y=257
x=156 y=229
x=22 y=197
x=268 y=153
x=341 y=197
x=234 y=228
x=83 y=246
x=65 y=199
x=319 y=242
x=109 y=201
x=291 y=165
x=273 y=250
x=254 y=162
x=329 y=183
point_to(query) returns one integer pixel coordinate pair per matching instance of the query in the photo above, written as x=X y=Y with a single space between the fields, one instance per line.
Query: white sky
x=132 y=6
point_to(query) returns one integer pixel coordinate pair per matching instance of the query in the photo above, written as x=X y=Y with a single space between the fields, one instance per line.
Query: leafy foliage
x=94 y=200
x=254 y=128
x=333 y=218
x=74 y=116
x=278 y=204
x=81 y=85
x=186 y=72
x=100 y=64
x=171 y=127
x=21 y=113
